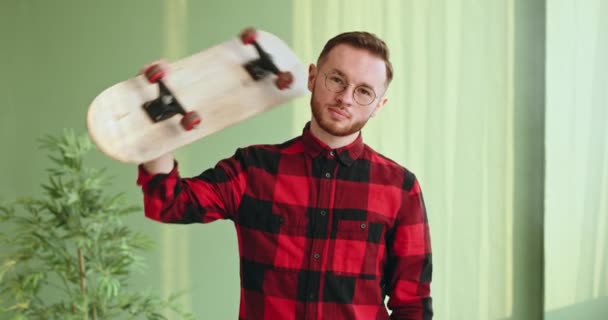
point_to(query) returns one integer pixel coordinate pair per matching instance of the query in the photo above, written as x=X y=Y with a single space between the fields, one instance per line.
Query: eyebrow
x=364 y=84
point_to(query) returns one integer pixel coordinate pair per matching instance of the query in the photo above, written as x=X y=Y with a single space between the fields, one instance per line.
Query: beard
x=330 y=126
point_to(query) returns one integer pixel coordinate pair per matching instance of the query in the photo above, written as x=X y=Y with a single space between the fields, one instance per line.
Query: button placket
x=324 y=172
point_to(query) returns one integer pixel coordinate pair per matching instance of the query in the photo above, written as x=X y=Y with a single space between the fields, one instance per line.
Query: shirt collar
x=346 y=155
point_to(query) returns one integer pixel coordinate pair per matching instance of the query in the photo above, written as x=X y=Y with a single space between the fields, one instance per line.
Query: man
x=326 y=226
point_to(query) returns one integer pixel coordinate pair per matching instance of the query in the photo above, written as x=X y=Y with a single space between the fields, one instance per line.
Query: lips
x=339 y=112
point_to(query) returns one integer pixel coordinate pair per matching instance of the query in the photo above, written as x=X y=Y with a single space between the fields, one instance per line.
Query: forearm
x=163 y=164
x=165 y=199
x=214 y=194
x=410 y=259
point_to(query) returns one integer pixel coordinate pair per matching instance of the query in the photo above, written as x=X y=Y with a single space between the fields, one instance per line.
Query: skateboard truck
x=261 y=67
x=166 y=105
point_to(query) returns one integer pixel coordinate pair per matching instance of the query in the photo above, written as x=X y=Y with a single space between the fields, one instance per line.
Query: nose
x=346 y=96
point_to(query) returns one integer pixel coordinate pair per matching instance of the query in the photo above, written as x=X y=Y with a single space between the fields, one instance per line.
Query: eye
x=367 y=92
x=337 y=80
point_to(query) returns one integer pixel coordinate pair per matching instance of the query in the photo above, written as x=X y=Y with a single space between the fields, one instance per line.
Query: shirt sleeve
x=409 y=268
x=214 y=194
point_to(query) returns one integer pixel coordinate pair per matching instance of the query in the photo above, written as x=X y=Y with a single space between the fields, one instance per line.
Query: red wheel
x=284 y=80
x=248 y=35
x=155 y=71
x=190 y=120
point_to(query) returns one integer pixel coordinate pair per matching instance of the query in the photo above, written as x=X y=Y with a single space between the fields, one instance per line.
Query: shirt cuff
x=143 y=176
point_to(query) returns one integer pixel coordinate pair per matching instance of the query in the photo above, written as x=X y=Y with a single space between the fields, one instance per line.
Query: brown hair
x=362 y=40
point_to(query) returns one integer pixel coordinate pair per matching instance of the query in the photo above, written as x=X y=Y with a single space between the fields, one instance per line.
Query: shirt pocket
x=357 y=248
x=292 y=219
x=291 y=239
x=351 y=230
x=348 y=247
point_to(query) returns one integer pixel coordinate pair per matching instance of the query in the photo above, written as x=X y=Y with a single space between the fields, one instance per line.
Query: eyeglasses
x=334 y=82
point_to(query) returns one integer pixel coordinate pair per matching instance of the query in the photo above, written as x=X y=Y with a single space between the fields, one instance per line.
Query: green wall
x=57 y=55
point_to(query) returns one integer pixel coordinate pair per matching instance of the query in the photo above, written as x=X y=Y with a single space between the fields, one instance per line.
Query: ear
x=380 y=104
x=312 y=74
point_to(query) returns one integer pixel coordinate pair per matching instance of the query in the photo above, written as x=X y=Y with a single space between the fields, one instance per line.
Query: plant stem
x=83 y=287
x=83 y=283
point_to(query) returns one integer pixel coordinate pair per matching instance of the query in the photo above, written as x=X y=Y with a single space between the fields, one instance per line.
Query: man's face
x=360 y=73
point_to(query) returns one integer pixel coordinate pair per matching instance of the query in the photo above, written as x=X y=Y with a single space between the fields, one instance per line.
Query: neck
x=330 y=140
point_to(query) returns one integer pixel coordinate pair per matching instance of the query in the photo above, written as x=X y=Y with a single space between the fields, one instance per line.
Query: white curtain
x=576 y=240
x=451 y=119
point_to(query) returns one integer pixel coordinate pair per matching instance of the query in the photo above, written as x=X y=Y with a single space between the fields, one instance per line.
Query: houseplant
x=67 y=254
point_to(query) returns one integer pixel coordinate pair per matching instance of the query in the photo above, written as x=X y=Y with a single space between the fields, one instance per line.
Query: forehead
x=358 y=65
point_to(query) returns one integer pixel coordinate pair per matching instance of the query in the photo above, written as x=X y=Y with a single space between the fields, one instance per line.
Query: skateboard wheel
x=154 y=72
x=248 y=35
x=190 y=120
x=284 y=80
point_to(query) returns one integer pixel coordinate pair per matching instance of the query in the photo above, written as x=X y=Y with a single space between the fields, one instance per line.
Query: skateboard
x=170 y=105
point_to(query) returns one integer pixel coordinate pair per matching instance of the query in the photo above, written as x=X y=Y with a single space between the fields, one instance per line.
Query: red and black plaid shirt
x=322 y=234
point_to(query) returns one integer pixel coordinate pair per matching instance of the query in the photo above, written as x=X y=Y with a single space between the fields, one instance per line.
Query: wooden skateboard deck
x=213 y=84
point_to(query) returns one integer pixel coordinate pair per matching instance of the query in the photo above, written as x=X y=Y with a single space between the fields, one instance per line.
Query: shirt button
x=312 y=296
x=323 y=212
x=327 y=175
x=316 y=255
x=363 y=225
x=331 y=153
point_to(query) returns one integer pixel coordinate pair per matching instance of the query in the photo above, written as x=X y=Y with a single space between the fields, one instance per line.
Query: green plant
x=68 y=255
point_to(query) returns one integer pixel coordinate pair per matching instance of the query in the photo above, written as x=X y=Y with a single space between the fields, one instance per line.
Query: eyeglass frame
x=346 y=85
